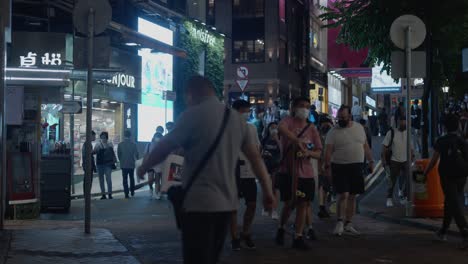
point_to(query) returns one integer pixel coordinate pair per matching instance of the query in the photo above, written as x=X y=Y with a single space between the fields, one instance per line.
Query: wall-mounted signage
x=370 y=101
x=382 y=82
x=201 y=34
x=123 y=80
x=47 y=59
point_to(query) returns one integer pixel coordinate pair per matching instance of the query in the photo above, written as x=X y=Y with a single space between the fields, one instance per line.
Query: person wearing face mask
x=416 y=114
x=326 y=125
x=155 y=173
x=271 y=153
x=398 y=161
x=105 y=161
x=300 y=143
x=346 y=147
x=246 y=185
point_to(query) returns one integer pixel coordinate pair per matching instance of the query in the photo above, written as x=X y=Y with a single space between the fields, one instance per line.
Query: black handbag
x=177 y=194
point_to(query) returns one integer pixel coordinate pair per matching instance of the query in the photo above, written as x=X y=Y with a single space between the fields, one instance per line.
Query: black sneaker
x=323 y=214
x=248 y=241
x=311 y=235
x=464 y=244
x=280 y=237
x=300 y=244
x=127 y=197
x=103 y=197
x=236 y=244
x=133 y=194
x=110 y=197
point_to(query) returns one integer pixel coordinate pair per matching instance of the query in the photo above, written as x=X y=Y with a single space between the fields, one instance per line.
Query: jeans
x=397 y=171
x=128 y=173
x=203 y=236
x=105 y=170
x=453 y=204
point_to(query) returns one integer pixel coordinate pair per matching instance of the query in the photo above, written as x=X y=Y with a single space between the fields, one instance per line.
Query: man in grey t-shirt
x=346 y=146
x=213 y=196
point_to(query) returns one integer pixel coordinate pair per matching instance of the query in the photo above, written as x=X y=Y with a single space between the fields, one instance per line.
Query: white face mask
x=246 y=116
x=302 y=113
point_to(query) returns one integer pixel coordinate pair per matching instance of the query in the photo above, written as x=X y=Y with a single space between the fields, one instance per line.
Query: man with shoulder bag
x=212 y=137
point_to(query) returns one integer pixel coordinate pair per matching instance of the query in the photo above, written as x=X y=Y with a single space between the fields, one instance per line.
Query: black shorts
x=305 y=188
x=247 y=189
x=348 y=178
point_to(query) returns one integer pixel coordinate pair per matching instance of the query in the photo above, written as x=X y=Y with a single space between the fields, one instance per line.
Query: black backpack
x=105 y=156
x=457 y=156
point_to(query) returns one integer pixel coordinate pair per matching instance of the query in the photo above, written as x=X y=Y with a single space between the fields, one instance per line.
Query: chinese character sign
x=48 y=59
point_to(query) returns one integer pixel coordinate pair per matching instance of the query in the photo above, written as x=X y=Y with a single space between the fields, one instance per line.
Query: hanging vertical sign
x=242 y=74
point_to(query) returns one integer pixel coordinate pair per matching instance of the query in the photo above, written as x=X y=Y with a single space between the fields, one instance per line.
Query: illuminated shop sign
x=201 y=34
x=48 y=59
x=123 y=80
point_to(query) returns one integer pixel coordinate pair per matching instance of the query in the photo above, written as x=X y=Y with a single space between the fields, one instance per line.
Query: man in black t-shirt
x=452 y=179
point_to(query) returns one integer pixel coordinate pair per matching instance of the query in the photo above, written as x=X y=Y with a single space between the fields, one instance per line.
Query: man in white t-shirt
x=346 y=146
x=396 y=143
x=246 y=185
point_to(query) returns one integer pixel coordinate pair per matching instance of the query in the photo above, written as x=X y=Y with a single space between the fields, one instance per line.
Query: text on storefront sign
x=48 y=59
x=123 y=80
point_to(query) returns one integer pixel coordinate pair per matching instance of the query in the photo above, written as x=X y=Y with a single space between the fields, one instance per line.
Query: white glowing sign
x=123 y=80
x=49 y=59
x=203 y=35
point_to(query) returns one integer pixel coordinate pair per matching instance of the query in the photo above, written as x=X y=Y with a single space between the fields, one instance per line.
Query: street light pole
x=2 y=122
x=409 y=204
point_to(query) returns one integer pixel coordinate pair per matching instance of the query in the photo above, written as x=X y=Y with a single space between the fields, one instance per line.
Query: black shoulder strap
x=298 y=136
x=392 y=136
x=210 y=151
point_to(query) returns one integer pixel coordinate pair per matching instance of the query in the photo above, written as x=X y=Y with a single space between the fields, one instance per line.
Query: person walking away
x=383 y=122
x=326 y=125
x=93 y=162
x=155 y=173
x=301 y=143
x=395 y=159
x=346 y=146
x=246 y=185
x=212 y=198
x=451 y=151
x=356 y=112
x=416 y=115
x=105 y=160
x=271 y=153
x=128 y=154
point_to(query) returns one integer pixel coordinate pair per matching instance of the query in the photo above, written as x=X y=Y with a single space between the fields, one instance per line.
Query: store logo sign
x=123 y=80
x=203 y=35
x=48 y=59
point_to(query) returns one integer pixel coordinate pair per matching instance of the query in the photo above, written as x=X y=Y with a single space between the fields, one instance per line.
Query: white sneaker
x=265 y=213
x=350 y=229
x=275 y=215
x=339 y=228
x=389 y=202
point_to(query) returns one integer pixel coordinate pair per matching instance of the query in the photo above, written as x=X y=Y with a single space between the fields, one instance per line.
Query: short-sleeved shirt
x=245 y=167
x=399 y=145
x=348 y=144
x=215 y=188
x=310 y=137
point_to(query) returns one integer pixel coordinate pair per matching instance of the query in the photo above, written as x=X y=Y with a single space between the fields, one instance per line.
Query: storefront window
x=106 y=118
